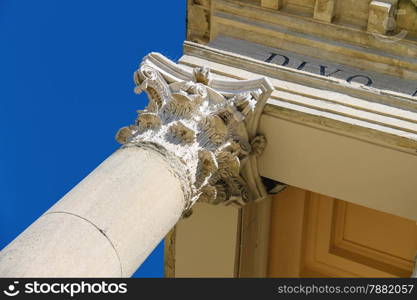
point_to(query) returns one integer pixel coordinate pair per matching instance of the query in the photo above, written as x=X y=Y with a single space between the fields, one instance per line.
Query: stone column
x=196 y=140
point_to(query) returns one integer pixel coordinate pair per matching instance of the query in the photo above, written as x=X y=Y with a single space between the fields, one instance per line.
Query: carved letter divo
x=210 y=125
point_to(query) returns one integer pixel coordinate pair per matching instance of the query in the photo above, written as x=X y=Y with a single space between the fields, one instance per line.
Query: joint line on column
x=98 y=228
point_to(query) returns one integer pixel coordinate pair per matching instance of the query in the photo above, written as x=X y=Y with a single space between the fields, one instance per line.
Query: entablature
x=371 y=114
x=350 y=33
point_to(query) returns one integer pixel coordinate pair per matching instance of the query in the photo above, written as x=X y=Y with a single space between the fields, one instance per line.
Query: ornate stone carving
x=210 y=125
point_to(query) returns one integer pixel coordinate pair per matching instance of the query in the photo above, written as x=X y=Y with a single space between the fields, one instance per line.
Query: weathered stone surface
x=272 y=4
x=211 y=126
x=381 y=16
x=198 y=20
x=324 y=10
x=406 y=18
x=345 y=40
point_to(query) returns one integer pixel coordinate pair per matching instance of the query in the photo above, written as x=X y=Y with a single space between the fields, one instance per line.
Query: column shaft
x=106 y=226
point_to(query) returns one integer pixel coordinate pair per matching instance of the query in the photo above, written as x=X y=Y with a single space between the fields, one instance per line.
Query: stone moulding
x=210 y=125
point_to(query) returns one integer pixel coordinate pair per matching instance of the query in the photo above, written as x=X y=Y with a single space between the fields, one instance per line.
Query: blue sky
x=65 y=88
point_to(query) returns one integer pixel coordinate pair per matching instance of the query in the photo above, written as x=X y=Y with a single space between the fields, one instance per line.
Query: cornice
x=300 y=31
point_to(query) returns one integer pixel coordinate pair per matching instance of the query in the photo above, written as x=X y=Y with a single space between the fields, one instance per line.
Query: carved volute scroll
x=210 y=125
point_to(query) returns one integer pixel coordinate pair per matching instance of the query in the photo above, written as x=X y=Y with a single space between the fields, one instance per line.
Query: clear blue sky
x=65 y=88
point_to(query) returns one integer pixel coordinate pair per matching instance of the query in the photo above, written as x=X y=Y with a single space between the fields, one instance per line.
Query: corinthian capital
x=210 y=125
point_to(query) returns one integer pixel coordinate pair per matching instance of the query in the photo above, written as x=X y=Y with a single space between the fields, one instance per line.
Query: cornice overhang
x=347 y=38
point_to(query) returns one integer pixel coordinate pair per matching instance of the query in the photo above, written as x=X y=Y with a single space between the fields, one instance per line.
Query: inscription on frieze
x=284 y=60
x=322 y=67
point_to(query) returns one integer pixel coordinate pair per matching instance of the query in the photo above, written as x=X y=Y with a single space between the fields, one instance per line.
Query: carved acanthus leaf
x=258 y=144
x=212 y=130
